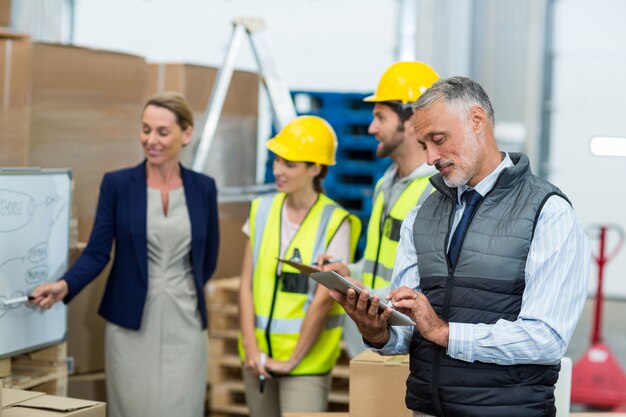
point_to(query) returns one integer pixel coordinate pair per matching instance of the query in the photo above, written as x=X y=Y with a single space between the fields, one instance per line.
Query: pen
x=18 y=300
x=329 y=261
x=261 y=376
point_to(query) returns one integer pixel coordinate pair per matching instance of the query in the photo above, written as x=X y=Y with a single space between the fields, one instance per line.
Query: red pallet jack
x=598 y=379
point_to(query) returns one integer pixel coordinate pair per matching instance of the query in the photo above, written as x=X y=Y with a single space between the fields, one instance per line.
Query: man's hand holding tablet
x=333 y=280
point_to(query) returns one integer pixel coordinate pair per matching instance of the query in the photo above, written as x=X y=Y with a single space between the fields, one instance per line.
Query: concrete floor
x=613 y=332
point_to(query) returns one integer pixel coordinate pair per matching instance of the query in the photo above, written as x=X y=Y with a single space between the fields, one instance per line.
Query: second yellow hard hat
x=404 y=82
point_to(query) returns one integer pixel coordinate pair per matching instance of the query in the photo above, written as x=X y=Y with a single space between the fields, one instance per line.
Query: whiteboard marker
x=18 y=300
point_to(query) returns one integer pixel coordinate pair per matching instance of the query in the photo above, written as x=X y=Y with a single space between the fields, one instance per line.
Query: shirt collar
x=487 y=183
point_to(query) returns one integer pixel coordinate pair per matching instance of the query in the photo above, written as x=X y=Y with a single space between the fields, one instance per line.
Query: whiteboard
x=34 y=244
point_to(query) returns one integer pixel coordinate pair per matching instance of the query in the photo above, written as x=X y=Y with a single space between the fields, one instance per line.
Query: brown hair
x=317 y=181
x=175 y=103
x=403 y=111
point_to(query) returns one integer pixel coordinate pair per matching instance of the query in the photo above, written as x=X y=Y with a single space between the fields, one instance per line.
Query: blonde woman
x=163 y=220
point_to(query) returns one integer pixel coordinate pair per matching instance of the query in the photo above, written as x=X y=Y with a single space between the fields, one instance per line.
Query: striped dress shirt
x=557 y=271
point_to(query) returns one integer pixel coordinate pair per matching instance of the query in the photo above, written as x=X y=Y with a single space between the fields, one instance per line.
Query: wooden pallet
x=226 y=396
x=43 y=370
x=224 y=291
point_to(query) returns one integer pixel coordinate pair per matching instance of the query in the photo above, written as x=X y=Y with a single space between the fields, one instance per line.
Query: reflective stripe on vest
x=383 y=236
x=282 y=297
x=262 y=212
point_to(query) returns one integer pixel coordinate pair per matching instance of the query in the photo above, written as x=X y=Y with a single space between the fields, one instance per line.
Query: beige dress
x=161 y=369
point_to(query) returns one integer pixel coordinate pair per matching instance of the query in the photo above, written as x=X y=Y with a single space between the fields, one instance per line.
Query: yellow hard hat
x=404 y=82
x=306 y=139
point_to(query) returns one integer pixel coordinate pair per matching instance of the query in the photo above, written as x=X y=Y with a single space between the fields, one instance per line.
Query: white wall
x=590 y=100
x=341 y=45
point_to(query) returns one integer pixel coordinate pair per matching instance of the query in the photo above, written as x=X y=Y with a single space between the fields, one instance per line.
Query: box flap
x=373 y=357
x=62 y=404
x=11 y=396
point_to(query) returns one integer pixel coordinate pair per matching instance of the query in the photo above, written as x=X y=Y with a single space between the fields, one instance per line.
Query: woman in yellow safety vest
x=290 y=327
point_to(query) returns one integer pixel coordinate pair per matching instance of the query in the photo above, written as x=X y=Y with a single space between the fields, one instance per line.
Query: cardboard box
x=5 y=13
x=14 y=98
x=18 y=403
x=236 y=133
x=378 y=385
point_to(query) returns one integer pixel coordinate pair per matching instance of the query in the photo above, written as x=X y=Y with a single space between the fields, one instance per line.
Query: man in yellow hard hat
x=404 y=184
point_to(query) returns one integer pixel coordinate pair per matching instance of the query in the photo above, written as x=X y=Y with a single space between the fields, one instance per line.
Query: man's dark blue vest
x=486 y=285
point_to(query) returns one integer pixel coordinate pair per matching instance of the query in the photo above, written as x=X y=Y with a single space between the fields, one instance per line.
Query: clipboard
x=305 y=269
x=334 y=281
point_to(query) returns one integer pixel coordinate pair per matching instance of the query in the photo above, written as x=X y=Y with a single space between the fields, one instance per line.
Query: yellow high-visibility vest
x=282 y=297
x=383 y=235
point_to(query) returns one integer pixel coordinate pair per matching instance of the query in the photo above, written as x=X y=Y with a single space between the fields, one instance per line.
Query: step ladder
x=277 y=91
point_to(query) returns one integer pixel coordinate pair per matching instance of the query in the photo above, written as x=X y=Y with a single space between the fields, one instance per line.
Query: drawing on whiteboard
x=16 y=210
x=22 y=209
x=34 y=243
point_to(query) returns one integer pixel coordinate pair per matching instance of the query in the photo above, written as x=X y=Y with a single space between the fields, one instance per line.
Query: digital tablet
x=333 y=280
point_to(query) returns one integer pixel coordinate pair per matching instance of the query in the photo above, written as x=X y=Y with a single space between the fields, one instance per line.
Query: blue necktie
x=471 y=198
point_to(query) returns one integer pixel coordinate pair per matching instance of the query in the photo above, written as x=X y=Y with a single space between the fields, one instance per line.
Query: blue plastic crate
x=346 y=117
x=307 y=101
x=365 y=155
x=357 y=142
x=370 y=168
x=347 y=191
